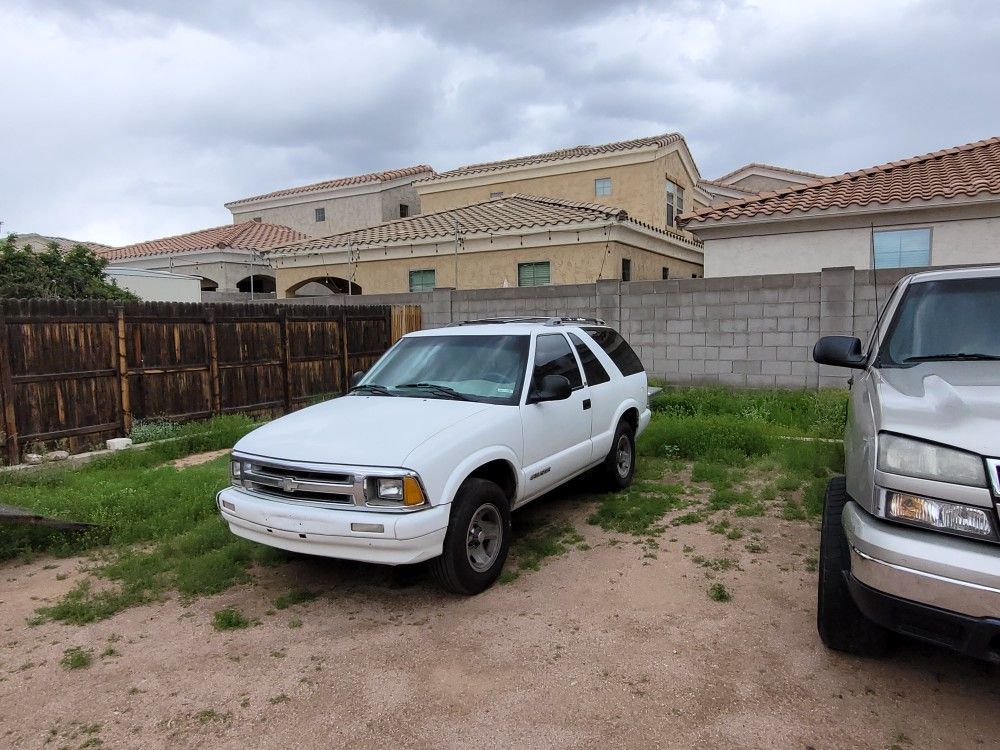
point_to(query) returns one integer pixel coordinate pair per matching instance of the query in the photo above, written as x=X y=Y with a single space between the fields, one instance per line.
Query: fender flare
x=483 y=456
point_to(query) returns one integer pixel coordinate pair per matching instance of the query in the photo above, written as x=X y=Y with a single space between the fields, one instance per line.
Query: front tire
x=618 y=468
x=842 y=626
x=477 y=540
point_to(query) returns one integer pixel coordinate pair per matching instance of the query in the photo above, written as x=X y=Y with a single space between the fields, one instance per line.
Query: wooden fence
x=77 y=372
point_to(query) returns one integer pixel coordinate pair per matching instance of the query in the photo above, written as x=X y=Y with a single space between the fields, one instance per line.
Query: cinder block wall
x=752 y=331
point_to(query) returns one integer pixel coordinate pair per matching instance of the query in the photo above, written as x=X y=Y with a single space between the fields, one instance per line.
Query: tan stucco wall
x=342 y=214
x=804 y=250
x=581 y=263
x=756 y=183
x=638 y=188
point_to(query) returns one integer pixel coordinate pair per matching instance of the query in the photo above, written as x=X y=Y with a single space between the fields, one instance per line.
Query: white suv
x=451 y=430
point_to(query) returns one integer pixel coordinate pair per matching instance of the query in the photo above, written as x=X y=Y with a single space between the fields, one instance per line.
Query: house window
x=602 y=186
x=902 y=248
x=675 y=202
x=626 y=269
x=533 y=274
x=404 y=210
x=496 y=194
x=665 y=273
x=320 y=214
x=422 y=281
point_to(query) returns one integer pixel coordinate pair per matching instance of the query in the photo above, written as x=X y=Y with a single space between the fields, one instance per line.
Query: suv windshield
x=490 y=369
x=946 y=320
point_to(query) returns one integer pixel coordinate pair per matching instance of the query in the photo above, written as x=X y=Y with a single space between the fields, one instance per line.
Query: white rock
x=57 y=456
x=119 y=444
x=32 y=458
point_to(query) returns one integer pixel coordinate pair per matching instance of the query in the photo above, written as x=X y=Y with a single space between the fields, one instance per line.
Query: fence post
x=213 y=361
x=121 y=344
x=346 y=376
x=7 y=395
x=286 y=356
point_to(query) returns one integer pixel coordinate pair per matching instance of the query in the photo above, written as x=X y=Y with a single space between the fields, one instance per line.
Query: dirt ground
x=601 y=648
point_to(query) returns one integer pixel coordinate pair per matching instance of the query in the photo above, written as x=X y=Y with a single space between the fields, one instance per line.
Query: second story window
x=626 y=269
x=404 y=210
x=602 y=186
x=902 y=248
x=320 y=214
x=675 y=202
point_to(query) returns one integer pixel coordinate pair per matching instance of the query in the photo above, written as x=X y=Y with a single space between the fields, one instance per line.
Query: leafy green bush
x=151 y=430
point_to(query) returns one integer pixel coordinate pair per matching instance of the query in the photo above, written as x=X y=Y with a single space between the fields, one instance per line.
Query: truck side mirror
x=554 y=388
x=840 y=351
x=356 y=378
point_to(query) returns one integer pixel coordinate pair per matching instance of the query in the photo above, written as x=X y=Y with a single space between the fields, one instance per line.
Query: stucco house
x=513 y=240
x=226 y=259
x=654 y=179
x=751 y=179
x=939 y=209
x=339 y=205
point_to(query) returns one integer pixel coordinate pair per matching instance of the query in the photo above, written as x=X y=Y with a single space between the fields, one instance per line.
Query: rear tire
x=618 y=468
x=477 y=541
x=842 y=626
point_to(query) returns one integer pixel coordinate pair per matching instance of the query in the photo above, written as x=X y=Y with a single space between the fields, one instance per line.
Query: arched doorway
x=258 y=284
x=320 y=286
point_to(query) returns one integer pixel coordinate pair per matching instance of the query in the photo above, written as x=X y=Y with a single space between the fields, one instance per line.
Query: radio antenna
x=871 y=243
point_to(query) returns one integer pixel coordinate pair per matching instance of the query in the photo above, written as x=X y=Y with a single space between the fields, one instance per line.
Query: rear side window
x=554 y=357
x=593 y=370
x=617 y=348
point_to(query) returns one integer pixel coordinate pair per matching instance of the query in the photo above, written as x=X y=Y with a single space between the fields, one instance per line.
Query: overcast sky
x=124 y=121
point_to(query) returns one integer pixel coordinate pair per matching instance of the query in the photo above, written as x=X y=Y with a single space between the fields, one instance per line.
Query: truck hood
x=954 y=403
x=359 y=430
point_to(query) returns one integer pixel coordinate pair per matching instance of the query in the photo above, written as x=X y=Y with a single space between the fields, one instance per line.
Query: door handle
x=586 y=404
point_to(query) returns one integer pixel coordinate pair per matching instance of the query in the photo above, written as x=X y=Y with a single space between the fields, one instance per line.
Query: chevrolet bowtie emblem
x=289 y=485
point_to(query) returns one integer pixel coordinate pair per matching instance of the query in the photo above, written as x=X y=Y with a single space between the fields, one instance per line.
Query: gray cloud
x=125 y=121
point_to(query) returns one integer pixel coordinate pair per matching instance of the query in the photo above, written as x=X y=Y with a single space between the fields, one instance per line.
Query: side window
x=617 y=348
x=593 y=370
x=554 y=357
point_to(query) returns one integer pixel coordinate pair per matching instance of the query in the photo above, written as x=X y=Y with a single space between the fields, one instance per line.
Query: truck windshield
x=945 y=320
x=489 y=369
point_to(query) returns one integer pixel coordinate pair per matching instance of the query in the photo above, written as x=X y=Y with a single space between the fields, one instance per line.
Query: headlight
x=393 y=492
x=915 y=458
x=937 y=514
x=236 y=473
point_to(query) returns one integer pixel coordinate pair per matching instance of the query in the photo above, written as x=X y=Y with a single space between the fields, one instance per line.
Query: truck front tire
x=842 y=626
x=477 y=541
x=619 y=465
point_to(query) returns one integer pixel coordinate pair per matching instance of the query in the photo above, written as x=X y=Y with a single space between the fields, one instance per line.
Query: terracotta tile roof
x=248 y=235
x=41 y=242
x=361 y=179
x=968 y=170
x=497 y=215
x=758 y=165
x=561 y=155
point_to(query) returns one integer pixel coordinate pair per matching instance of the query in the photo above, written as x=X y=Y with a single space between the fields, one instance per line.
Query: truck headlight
x=937 y=514
x=916 y=458
x=397 y=492
x=236 y=473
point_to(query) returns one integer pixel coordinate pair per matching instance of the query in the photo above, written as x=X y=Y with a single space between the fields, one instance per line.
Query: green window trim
x=534 y=274
x=423 y=280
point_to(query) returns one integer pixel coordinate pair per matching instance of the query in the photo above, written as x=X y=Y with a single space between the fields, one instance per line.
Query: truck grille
x=302 y=485
x=993 y=467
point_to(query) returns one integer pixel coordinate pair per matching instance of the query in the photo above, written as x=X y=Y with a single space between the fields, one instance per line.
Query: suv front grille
x=993 y=469
x=302 y=485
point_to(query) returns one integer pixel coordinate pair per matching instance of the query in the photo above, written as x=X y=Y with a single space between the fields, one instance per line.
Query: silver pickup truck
x=911 y=537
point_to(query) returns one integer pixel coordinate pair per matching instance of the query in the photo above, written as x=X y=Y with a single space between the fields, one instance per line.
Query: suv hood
x=361 y=430
x=953 y=403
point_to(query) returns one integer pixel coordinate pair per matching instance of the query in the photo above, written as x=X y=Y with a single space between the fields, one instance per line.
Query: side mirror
x=839 y=351
x=554 y=388
x=356 y=378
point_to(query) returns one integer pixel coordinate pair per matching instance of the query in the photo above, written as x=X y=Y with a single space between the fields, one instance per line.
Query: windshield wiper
x=372 y=389
x=441 y=390
x=959 y=357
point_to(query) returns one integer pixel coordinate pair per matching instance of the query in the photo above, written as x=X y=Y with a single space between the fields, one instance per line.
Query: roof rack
x=541 y=319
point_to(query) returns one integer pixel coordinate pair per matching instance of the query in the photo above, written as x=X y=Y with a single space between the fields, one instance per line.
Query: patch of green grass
x=719 y=593
x=734 y=533
x=812 y=564
x=76 y=658
x=295 y=596
x=509 y=576
x=814 y=497
x=792 y=510
x=719 y=476
x=755 y=547
x=718 y=439
x=638 y=509
x=717 y=564
x=687 y=519
x=275 y=700
x=230 y=618
x=295 y=622
x=552 y=539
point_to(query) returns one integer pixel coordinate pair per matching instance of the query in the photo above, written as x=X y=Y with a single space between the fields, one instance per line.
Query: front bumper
x=937 y=587
x=405 y=538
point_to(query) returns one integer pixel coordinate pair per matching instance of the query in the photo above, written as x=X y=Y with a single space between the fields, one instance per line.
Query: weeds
x=295 y=596
x=230 y=618
x=719 y=593
x=76 y=658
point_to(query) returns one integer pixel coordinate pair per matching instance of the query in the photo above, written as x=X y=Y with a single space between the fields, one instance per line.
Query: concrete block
x=735 y=380
x=705 y=352
x=678 y=326
x=776 y=368
x=692 y=339
x=32 y=459
x=776 y=338
x=760 y=381
x=678 y=352
x=749 y=311
x=119 y=444
x=733 y=326
x=747 y=366
x=762 y=324
x=733 y=352
x=57 y=455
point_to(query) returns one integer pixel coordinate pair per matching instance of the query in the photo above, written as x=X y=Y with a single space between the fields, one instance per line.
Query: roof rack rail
x=542 y=319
